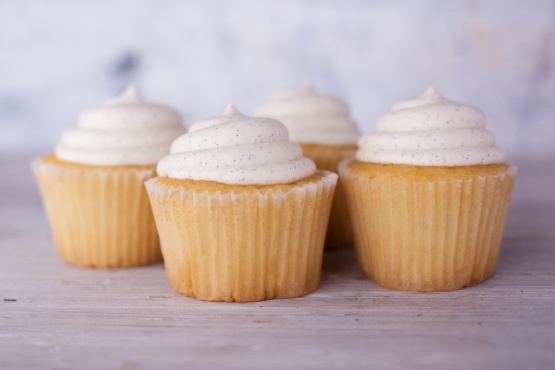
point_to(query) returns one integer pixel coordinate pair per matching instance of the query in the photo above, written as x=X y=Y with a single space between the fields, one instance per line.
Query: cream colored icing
x=235 y=149
x=123 y=131
x=431 y=131
x=310 y=117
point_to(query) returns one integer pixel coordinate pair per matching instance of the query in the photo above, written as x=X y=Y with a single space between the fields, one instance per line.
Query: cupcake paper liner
x=435 y=235
x=100 y=217
x=247 y=246
x=339 y=232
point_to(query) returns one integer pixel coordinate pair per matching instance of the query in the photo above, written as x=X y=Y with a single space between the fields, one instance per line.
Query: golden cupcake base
x=242 y=243
x=100 y=215
x=327 y=157
x=427 y=228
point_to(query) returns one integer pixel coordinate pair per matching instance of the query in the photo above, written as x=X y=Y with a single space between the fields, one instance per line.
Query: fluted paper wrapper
x=327 y=157
x=428 y=235
x=99 y=217
x=244 y=246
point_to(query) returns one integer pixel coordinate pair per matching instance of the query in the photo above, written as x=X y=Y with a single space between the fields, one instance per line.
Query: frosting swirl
x=311 y=117
x=237 y=150
x=431 y=131
x=123 y=131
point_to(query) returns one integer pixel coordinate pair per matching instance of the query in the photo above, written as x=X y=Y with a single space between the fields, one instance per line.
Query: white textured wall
x=60 y=57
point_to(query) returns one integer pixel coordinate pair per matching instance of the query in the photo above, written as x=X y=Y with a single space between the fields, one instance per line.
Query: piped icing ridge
x=311 y=117
x=122 y=131
x=431 y=131
x=238 y=150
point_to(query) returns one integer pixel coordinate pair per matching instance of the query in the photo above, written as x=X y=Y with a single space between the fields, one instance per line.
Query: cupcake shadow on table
x=92 y=186
x=321 y=125
x=241 y=213
x=428 y=194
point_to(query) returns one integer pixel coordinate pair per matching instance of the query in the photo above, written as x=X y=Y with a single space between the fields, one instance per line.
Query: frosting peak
x=430 y=130
x=129 y=96
x=123 y=131
x=307 y=86
x=430 y=96
x=311 y=117
x=235 y=149
x=230 y=110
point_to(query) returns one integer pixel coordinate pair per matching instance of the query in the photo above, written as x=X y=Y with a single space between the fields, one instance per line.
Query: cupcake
x=327 y=135
x=428 y=194
x=93 y=184
x=241 y=213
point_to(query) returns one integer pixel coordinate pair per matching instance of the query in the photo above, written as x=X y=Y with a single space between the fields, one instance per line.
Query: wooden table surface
x=56 y=316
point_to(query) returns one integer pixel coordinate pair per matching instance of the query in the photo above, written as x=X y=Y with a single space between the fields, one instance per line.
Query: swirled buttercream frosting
x=310 y=117
x=238 y=150
x=123 y=131
x=431 y=131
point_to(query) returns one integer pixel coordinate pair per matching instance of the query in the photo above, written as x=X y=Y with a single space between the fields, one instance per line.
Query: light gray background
x=60 y=57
